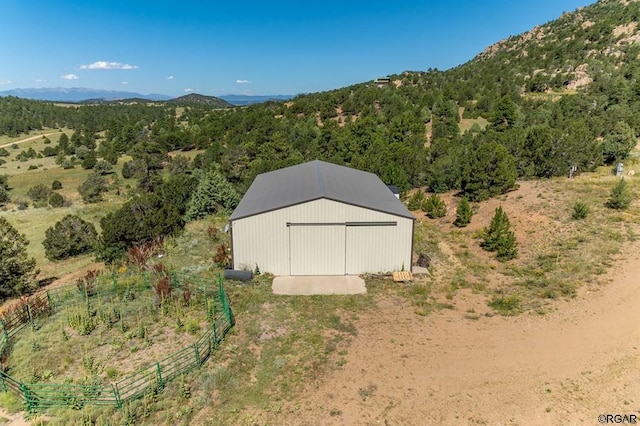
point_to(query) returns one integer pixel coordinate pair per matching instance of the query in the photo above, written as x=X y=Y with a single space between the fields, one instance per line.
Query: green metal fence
x=40 y=396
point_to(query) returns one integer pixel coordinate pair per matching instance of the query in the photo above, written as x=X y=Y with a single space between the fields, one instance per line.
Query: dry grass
x=6 y=141
x=558 y=255
x=33 y=222
x=466 y=123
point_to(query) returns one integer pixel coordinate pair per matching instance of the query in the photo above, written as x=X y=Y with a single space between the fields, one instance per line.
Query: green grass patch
x=10 y=402
x=506 y=305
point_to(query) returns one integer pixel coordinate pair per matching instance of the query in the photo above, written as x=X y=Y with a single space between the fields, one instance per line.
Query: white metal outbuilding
x=319 y=218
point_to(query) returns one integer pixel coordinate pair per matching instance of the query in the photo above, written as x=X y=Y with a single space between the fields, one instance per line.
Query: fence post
x=197 y=354
x=159 y=374
x=29 y=401
x=116 y=394
x=221 y=295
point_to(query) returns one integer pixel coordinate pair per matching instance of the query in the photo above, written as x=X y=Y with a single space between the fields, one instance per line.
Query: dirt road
x=30 y=138
x=566 y=367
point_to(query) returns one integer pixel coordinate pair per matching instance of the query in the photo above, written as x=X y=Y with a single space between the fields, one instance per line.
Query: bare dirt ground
x=567 y=367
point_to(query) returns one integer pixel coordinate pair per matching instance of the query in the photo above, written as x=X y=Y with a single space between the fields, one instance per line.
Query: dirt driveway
x=566 y=367
x=30 y=138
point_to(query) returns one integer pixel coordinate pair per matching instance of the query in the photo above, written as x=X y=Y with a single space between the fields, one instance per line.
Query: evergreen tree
x=491 y=171
x=463 y=213
x=103 y=167
x=70 y=236
x=434 y=207
x=618 y=143
x=139 y=220
x=89 y=161
x=39 y=194
x=56 y=200
x=63 y=145
x=445 y=120
x=129 y=169
x=91 y=190
x=499 y=237
x=213 y=194
x=621 y=196
x=416 y=200
x=17 y=270
x=505 y=115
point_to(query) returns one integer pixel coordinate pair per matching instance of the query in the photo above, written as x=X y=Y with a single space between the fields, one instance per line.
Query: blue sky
x=248 y=47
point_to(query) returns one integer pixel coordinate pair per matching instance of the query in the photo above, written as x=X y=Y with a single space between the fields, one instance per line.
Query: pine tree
x=70 y=236
x=621 y=196
x=213 y=194
x=416 y=200
x=91 y=190
x=463 y=213
x=17 y=270
x=434 y=207
x=499 y=238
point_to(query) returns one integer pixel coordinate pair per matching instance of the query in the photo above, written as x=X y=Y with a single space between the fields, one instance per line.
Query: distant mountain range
x=193 y=99
x=80 y=94
x=249 y=100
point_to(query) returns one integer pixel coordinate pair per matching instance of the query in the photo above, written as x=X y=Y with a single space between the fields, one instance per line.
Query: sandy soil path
x=30 y=138
x=566 y=367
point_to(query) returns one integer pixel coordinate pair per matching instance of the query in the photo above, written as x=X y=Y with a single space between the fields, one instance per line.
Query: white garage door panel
x=317 y=250
x=370 y=249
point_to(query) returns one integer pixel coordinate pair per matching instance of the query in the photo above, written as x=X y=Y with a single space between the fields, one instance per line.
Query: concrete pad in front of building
x=325 y=284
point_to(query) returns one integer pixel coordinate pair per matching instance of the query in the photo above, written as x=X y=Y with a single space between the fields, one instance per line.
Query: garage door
x=317 y=249
x=369 y=248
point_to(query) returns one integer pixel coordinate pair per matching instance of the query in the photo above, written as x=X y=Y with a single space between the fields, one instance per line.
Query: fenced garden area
x=110 y=339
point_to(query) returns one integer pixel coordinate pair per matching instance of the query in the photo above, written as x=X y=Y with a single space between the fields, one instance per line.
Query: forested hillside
x=564 y=94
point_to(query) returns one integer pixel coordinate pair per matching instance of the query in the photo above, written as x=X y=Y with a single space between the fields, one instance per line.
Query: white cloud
x=188 y=90
x=104 y=65
x=125 y=82
x=170 y=77
x=5 y=81
x=243 y=81
x=69 y=77
x=39 y=80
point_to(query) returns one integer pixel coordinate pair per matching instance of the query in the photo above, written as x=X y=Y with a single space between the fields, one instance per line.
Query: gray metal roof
x=315 y=180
